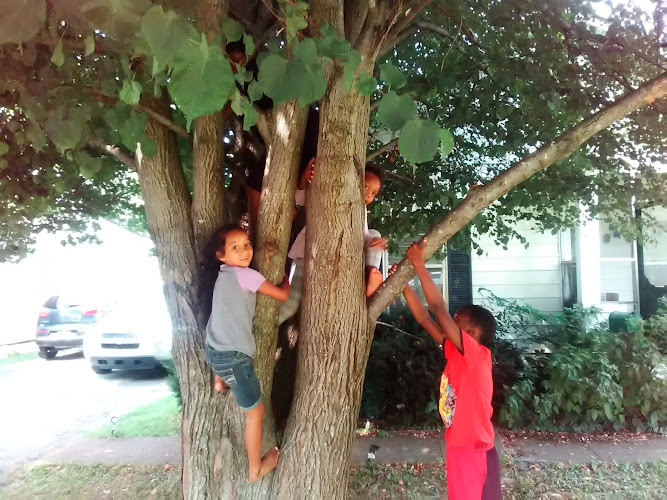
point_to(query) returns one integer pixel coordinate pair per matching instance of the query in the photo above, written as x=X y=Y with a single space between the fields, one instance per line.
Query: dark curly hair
x=484 y=320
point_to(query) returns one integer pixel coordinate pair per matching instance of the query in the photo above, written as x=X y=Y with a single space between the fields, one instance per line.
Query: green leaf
x=353 y=60
x=310 y=81
x=419 y=140
x=131 y=92
x=204 y=86
x=365 y=84
x=255 y=91
x=242 y=75
x=271 y=78
x=446 y=141
x=20 y=20
x=66 y=130
x=249 y=44
x=232 y=30
x=250 y=116
x=394 y=110
x=89 y=44
x=3 y=164
x=236 y=103
x=328 y=31
x=348 y=78
x=172 y=40
x=295 y=17
x=36 y=137
x=148 y=147
x=4 y=148
x=58 y=58
x=306 y=50
x=392 y=76
x=132 y=130
x=334 y=48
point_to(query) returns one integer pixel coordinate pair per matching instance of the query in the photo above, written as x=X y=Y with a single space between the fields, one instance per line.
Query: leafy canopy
x=470 y=88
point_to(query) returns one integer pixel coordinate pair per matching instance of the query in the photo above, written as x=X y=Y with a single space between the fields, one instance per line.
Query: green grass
x=66 y=481
x=377 y=482
x=160 y=418
x=17 y=358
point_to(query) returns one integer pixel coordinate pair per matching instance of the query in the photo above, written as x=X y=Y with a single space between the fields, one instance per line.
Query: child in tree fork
x=466 y=386
x=230 y=345
x=374 y=244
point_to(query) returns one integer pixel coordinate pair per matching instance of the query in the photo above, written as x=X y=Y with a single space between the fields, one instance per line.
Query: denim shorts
x=236 y=369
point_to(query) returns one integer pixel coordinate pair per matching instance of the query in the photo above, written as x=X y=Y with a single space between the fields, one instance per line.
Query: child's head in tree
x=372 y=182
x=236 y=53
x=233 y=247
x=478 y=322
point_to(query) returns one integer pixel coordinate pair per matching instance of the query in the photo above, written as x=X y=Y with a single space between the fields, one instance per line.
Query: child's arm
x=280 y=293
x=436 y=302
x=422 y=316
x=420 y=313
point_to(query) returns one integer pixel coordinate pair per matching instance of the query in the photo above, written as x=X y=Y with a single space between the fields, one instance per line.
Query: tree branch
x=382 y=149
x=407 y=18
x=163 y=120
x=116 y=152
x=547 y=155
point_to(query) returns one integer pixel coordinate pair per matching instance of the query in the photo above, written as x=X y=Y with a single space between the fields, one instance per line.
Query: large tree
x=95 y=94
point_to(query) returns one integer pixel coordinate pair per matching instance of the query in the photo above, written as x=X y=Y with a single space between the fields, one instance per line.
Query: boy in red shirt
x=466 y=386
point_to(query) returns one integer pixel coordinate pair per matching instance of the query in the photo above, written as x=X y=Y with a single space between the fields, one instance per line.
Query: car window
x=51 y=303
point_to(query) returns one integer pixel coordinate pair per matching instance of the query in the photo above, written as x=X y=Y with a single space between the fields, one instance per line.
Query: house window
x=618 y=267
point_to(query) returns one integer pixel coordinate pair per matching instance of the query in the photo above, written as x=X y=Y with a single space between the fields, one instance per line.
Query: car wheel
x=100 y=371
x=48 y=352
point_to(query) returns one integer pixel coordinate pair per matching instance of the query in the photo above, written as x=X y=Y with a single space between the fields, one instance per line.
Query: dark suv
x=62 y=324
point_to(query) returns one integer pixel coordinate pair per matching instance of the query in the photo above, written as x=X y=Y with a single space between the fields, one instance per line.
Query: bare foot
x=219 y=384
x=269 y=462
x=374 y=281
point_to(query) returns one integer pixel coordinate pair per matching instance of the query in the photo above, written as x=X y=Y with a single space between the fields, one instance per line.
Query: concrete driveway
x=47 y=404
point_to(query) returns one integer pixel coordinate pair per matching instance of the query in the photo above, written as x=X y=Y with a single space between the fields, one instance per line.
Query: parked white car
x=136 y=335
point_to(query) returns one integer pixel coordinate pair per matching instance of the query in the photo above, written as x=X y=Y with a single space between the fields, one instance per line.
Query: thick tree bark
x=335 y=337
x=212 y=430
x=275 y=221
x=557 y=150
x=207 y=181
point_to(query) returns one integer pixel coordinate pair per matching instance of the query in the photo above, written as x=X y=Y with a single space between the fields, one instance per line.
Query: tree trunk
x=335 y=336
x=212 y=431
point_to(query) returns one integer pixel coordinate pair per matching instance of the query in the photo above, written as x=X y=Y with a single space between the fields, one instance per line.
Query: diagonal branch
x=115 y=151
x=163 y=120
x=382 y=149
x=547 y=155
x=160 y=118
x=407 y=18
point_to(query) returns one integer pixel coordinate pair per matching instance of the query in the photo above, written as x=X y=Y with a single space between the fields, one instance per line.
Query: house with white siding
x=591 y=265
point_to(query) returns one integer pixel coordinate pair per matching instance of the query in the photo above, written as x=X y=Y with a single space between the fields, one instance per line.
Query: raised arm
x=422 y=316
x=420 y=313
x=436 y=302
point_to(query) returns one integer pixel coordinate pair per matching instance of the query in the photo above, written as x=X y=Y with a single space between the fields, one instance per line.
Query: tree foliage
x=471 y=88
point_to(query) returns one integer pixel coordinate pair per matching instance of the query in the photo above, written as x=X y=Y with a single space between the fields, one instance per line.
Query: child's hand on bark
x=307 y=175
x=415 y=252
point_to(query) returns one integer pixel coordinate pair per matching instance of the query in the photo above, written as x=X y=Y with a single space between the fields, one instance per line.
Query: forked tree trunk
x=214 y=459
x=335 y=337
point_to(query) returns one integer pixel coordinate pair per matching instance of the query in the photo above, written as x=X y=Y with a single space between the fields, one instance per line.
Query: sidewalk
x=167 y=450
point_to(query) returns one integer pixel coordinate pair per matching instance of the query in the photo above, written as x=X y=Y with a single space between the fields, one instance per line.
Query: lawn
x=16 y=358
x=159 y=418
x=377 y=482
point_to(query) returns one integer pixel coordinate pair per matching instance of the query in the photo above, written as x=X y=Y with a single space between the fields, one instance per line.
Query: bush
x=404 y=370
x=172 y=381
x=578 y=378
x=403 y=373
